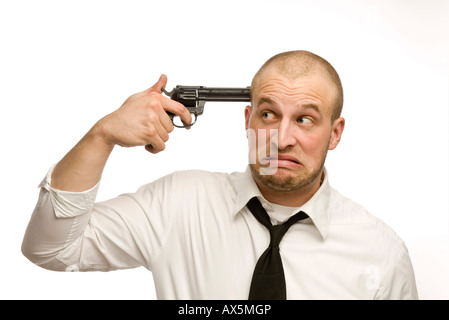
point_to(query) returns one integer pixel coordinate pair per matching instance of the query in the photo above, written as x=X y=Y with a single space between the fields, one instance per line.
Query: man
x=197 y=231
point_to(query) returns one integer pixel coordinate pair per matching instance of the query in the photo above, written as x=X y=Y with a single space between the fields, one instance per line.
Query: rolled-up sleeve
x=69 y=231
x=59 y=218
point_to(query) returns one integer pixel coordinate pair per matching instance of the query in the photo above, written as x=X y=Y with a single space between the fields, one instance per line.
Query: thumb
x=161 y=83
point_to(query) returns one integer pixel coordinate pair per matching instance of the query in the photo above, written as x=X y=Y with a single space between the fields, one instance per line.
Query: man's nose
x=286 y=133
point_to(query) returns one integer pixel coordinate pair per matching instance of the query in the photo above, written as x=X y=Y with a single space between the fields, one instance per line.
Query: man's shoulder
x=345 y=211
x=378 y=249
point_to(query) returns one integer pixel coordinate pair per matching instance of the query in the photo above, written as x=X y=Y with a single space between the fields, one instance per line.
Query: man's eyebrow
x=265 y=100
x=311 y=106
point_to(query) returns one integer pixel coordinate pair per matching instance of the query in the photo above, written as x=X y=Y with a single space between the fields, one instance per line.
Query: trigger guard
x=184 y=124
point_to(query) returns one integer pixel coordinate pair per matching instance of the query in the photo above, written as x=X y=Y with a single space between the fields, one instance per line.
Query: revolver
x=194 y=98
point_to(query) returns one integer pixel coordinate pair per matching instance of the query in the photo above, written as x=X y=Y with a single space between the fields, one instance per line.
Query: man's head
x=296 y=64
x=300 y=96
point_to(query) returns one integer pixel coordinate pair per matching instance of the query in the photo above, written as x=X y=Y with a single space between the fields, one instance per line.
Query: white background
x=66 y=64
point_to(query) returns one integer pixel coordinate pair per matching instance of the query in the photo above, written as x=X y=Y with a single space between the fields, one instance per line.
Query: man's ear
x=337 y=130
x=248 y=110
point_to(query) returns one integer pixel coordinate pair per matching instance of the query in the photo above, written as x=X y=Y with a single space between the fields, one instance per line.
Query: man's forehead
x=312 y=91
x=274 y=83
x=289 y=75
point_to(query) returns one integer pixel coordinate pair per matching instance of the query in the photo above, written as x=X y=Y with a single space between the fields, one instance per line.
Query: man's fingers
x=167 y=123
x=178 y=109
x=156 y=145
x=162 y=133
x=152 y=149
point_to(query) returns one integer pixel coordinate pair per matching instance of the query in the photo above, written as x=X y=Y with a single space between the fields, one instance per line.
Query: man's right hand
x=142 y=120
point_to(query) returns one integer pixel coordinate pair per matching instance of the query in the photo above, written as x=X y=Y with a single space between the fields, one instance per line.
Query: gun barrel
x=224 y=94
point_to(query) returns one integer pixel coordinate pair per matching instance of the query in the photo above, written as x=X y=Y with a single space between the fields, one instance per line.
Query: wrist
x=99 y=134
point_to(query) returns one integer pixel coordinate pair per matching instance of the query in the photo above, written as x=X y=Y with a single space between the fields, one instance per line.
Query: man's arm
x=141 y=121
x=59 y=225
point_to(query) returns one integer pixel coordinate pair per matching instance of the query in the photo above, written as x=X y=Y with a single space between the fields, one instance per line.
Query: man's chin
x=283 y=179
x=279 y=179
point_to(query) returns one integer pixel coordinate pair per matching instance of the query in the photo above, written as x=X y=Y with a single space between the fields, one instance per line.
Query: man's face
x=300 y=112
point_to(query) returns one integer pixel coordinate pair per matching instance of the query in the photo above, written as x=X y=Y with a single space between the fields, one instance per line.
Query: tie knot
x=277 y=232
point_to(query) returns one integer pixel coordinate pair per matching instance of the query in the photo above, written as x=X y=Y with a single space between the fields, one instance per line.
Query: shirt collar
x=317 y=208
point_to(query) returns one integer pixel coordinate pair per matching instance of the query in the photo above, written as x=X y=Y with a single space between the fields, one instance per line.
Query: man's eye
x=268 y=115
x=303 y=120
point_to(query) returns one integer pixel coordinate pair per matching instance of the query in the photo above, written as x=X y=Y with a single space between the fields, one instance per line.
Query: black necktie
x=268 y=281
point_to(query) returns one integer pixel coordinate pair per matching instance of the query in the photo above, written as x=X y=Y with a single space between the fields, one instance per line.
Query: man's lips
x=284 y=160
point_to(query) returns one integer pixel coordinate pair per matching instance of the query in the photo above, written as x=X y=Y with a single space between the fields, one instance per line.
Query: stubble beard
x=283 y=180
x=280 y=182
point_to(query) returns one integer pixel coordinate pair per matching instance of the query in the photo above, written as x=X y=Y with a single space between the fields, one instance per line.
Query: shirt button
x=265 y=205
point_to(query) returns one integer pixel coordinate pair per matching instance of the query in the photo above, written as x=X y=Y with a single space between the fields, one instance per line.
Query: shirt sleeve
x=399 y=282
x=69 y=231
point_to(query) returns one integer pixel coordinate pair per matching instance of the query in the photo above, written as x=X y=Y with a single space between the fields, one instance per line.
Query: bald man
x=198 y=232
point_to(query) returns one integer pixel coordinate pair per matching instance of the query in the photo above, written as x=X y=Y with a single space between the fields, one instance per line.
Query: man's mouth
x=283 y=161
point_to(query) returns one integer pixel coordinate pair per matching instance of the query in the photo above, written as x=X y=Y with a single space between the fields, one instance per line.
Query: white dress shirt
x=192 y=230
